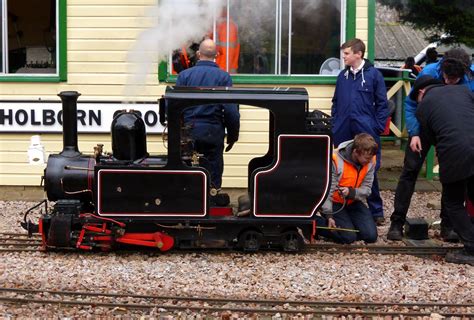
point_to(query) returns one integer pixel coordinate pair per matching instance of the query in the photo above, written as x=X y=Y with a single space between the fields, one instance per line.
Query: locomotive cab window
x=272 y=37
x=30 y=38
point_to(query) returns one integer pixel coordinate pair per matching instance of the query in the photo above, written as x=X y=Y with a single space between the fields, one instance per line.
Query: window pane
x=316 y=29
x=31 y=36
x=255 y=21
x=276 y=36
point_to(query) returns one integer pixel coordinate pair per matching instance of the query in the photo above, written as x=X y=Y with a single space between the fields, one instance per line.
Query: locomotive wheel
x=250 y=241
x=291 y=241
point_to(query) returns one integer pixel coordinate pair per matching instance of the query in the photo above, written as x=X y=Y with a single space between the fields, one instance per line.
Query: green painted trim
x=283 y=79
x=371 y=30
x=62 y=10
x=62 y=56
x=269 y=79
x=430 y=164
x=30 y=79
x=350 y=19
x=162 y=67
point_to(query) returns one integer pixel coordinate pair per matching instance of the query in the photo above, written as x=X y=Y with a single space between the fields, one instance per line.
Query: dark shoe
x=395 y=232
x=379 y=221
x=460 y=257
x=448 y=235
x=220 y=200
x=244 y=205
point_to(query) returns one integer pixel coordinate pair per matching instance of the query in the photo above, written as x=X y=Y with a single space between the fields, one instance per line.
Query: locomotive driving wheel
x=250 y=240
x=291 y=241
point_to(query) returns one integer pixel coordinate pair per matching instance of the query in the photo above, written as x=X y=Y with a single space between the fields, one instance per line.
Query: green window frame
x=350 y=31
x=61 y=52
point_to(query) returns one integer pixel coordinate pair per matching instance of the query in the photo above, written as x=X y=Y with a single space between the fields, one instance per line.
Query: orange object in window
x=227 y=44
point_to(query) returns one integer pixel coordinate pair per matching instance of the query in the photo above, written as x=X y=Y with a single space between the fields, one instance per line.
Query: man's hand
x=230 y=144
x=415 y=144
x=344 y=191
x=331 y=223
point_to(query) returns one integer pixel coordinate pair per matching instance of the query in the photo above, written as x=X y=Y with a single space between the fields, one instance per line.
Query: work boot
x=462 y=257
x=448 y=234
x=395 y=232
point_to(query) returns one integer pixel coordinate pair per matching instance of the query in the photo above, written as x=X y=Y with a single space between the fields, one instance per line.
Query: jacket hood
x=345 y=151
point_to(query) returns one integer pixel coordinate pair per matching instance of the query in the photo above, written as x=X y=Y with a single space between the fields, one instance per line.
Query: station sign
x=92 y=116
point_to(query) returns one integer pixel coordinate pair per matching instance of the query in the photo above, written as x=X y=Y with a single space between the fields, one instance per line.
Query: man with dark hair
x=352 y=176
x=431 y=55
x=209 y=122
x=446 y=115
x=360 y=105
x=453 y=69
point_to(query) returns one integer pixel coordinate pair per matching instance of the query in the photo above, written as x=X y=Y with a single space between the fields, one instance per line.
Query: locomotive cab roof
x=288 y=106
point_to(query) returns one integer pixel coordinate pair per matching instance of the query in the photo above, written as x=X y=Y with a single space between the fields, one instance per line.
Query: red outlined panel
x=161 y=183
x=278 y=212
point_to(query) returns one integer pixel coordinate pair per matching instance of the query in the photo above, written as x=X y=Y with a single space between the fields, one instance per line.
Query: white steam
x=176 y=23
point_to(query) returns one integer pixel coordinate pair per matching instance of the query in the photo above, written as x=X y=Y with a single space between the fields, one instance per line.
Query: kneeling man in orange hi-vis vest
x=352 y=178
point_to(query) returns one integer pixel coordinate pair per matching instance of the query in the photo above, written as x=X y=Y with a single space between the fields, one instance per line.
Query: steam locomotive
x=129 y=198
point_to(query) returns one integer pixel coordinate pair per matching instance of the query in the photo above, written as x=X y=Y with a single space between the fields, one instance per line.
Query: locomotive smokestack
x=69 y=101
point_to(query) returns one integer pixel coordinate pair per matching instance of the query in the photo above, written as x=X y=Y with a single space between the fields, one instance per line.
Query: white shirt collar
x=354 y=71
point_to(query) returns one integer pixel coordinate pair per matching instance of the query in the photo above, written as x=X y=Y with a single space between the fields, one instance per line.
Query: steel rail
x=18 y=244
x=379 y=249
x=19 y=234
x=227 y=300
x=19 y=250
x=277 y=306
x=21 y=239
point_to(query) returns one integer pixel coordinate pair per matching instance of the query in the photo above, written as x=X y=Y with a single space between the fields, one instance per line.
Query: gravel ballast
x=267 y=275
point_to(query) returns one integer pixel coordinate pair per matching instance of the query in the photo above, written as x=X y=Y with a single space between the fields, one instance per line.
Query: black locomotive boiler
x=129 y=198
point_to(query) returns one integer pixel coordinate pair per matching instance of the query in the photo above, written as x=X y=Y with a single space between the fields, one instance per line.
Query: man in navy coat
x=360 y=105
x=209 y=122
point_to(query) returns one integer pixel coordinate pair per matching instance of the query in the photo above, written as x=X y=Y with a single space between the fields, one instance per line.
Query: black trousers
x=412 y=164
x=453 y=197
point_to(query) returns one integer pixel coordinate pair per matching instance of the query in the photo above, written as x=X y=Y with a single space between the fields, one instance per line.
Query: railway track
x=18 y=242
x=381 y=249
x=206 y=305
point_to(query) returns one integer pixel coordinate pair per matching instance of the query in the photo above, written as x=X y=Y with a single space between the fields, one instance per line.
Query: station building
x=118 y=55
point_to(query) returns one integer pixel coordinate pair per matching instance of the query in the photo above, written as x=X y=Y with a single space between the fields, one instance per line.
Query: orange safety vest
x=350 y=177
x=223 y=42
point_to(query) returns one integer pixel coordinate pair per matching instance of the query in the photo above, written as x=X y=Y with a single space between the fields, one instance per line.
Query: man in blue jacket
x=454 y=68
x=360 y=105
x=209 y=122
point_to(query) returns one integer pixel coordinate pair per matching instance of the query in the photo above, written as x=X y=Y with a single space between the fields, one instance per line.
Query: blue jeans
x=354 y=216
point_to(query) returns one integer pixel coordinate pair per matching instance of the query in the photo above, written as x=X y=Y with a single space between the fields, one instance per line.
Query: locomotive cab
x=134 y=199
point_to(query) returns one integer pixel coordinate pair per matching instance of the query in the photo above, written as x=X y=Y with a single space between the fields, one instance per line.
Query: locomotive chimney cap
x=69 y=94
